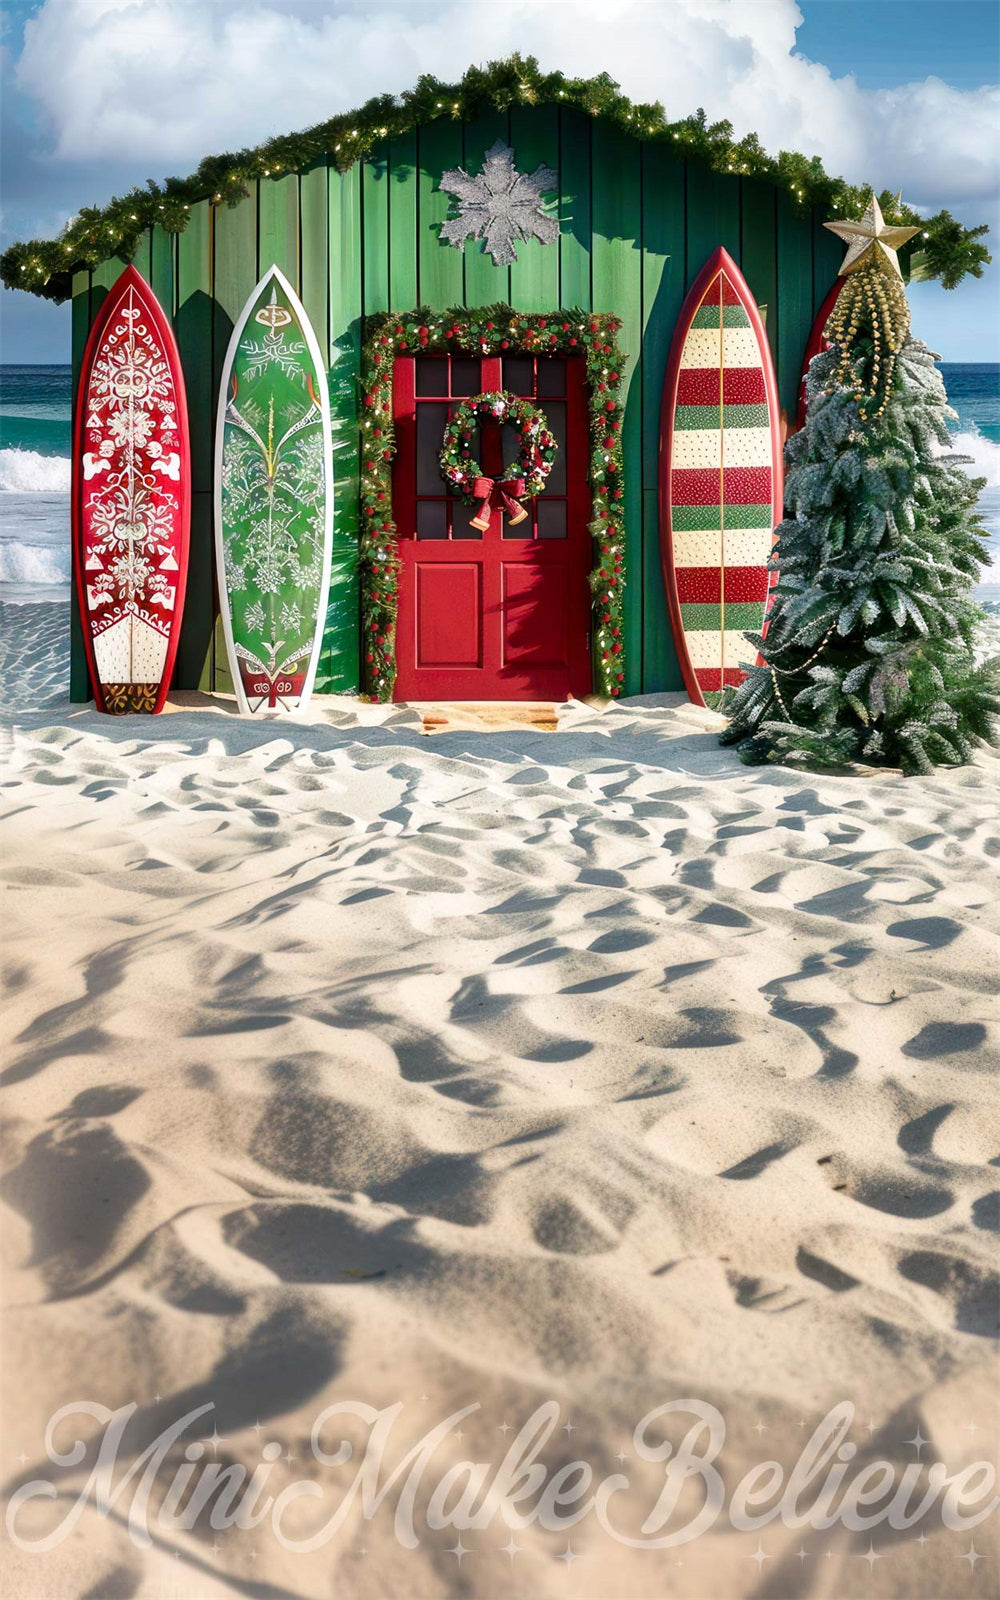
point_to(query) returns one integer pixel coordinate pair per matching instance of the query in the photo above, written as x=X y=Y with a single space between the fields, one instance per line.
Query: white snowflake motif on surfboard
x=133 y=505
x=274 y=500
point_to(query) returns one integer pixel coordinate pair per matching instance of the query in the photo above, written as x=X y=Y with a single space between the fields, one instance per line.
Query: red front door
x=505 y=614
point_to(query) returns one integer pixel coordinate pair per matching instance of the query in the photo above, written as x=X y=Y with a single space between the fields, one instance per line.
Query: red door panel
x=534 y=615
x=448 y=615
x=502 y=614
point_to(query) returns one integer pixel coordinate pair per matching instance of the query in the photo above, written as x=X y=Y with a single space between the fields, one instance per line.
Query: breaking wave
x=34 y=563
x=985 y=455
x=27 y=472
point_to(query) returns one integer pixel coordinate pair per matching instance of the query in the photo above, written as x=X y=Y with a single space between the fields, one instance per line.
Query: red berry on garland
x=606 y=549
x=615 y=689
x=565 y=327
x=609 y=405
x=621 y=677
x=572 y=341
x=615 y=632
x=490 y=326
x=386 y=455
x=614 y=377
x=369 y=466
x=608 y=444
x=504 y=344
x=543 y=323
x=369 y=657
x=606 y=617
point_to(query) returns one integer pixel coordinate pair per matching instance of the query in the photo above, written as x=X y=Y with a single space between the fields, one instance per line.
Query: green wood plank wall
x=485 y=283
x=663 y=283
x=616 y=277
x=278 y=227
x=795 y=296
x=534 y=276
x=193 y=327
x=375 y=231
x=439 y=265
x=828 y=253
x=575 y=230
x=637 y=224
x=338 y=667
x=234 y=275
x=403 y=187
x=163 y=260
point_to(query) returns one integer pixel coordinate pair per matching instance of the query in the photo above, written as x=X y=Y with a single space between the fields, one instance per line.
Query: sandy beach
x=489 y=1069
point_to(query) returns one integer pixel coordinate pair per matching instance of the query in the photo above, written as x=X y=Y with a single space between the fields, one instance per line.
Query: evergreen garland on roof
x=946 y=249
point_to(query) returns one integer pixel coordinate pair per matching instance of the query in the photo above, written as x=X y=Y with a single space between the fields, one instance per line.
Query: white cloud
x=169 y=81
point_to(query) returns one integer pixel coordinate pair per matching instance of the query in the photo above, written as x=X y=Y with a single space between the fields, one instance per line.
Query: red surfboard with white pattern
x=131 y=501
x=721 y=483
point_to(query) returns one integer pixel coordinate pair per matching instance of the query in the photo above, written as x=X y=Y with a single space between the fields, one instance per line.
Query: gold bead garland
x=875 y=298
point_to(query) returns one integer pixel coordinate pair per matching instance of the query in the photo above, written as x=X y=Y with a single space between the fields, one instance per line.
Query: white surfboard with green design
x=273 y=500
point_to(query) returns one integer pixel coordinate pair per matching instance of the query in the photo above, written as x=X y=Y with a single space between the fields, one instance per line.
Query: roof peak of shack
x=945 y=249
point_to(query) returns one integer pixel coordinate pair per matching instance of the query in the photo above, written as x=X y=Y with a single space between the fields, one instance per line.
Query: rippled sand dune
x=345 y=1063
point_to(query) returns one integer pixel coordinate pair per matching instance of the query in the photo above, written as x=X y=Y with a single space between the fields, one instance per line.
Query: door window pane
x=510 y=444
x=555 y=415
x=519 y=375
x=432 y=519
x=431 y=419
x=432 y=375
x=551 y=518
x=460 y=518
x=465 y=378
x=551 y=376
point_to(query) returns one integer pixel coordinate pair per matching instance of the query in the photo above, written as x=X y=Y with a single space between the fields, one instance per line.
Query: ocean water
x=35 y=471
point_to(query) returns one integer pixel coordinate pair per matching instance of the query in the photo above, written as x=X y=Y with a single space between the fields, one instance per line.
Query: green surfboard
x=273 y=500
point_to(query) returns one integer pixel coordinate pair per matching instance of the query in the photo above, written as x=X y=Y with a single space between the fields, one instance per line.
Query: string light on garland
x=949 y=252
x=492 y=330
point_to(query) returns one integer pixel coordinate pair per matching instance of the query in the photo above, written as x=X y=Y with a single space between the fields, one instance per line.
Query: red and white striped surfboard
x=721 y=484
x=131 y=501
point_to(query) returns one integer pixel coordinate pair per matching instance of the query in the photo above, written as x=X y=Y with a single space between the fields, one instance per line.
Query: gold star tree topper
x=870 y=240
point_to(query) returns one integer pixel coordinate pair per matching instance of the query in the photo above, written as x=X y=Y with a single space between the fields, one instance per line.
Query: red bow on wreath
x=509 y=491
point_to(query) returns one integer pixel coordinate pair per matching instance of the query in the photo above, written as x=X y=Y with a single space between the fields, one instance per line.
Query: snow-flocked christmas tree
x=869 y=652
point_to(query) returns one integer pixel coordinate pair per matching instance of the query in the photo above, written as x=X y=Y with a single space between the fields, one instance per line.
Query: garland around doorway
x=492 y=331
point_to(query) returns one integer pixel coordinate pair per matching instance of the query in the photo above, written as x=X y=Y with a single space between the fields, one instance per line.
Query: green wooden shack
x=640 y=209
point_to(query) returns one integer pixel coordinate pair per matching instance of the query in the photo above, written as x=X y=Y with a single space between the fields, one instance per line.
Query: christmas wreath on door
x=524 y=478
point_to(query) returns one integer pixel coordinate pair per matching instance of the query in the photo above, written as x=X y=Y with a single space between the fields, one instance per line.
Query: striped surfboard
x=720 y=478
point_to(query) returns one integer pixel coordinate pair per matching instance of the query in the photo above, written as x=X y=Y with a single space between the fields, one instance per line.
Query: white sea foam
x=33 y=563
x=985 y=454
x=28 y=472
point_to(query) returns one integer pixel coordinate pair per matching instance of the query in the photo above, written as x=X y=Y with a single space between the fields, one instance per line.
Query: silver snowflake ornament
x=500 y=205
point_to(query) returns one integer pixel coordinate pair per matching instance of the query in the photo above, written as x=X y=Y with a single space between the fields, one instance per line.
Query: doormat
x=488 y=716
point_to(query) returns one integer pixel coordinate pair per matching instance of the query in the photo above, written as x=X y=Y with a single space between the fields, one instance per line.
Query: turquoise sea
x=34 y=472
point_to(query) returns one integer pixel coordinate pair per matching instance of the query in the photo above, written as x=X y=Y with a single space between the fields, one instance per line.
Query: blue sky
x=893 y=92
